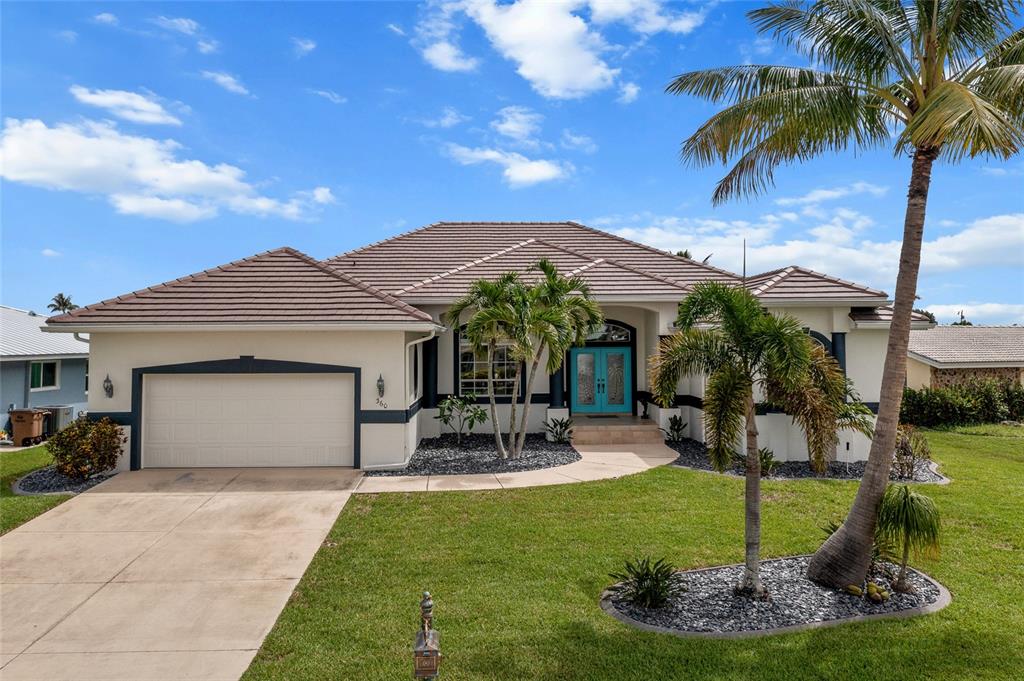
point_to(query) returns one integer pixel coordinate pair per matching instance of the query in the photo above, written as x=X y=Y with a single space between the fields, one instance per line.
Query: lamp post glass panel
x=427 y=651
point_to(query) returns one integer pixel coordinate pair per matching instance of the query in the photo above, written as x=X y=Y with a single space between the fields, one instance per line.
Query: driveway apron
x=161 y=574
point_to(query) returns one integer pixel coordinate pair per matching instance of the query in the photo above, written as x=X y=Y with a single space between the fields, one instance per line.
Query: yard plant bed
x=477 y=454
x=48 y=481
x=709 y=608
x=693 y=454
x=16 y=509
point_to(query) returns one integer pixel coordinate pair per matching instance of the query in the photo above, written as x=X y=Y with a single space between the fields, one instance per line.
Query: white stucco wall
x=377 y=353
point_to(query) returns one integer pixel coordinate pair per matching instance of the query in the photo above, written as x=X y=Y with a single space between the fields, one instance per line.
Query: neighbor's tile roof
x=21 y=336
x=279 y=286
x=800 y=283
x=970 y=344
x=883 y=314
x=410 y=258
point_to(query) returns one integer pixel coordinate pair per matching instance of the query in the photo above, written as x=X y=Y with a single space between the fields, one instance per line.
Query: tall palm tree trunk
x=527 y=396
x=751 y=582
x=845 y=557
x=512 y=412
x=499 y=440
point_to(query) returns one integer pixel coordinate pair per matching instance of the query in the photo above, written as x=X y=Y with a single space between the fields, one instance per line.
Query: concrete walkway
x=161 y=574
x=599 y=462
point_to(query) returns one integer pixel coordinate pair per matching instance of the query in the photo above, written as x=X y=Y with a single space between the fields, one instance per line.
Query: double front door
x=600 y=380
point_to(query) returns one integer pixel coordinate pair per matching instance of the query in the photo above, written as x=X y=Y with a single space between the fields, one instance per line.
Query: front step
x=616 y=432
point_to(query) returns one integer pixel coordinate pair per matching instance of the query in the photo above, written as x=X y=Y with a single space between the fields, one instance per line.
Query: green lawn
x=15 y=510
x=516 y=577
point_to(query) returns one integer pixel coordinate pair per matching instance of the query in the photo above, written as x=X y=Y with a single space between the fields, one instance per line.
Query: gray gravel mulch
x=48 y=481
x=477 y=454
x=693 y=454
x=709 y=606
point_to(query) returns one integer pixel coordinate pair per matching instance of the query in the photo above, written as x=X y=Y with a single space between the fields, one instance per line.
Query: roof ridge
x=467 y=265
x=189 y=277
x=651 y=248
x=651 y=275
x=362 y=285
x=847 y=282
x=382 y=241
x=779 y=275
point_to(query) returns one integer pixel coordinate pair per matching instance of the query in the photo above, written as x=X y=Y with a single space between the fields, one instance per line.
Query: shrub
x=560 y=430
x=86 y=448
x=974 y=402
x=646 y=583
x=676 y=426
x=461 y=413
x=767 y=458
x=911 y=447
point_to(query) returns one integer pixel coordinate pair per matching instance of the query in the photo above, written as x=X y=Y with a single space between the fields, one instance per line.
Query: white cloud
x=553 y=49
x=980 y=313
x=519 y=171
x=571 y=140
x=996 y=241
x=226 y=81
x=820 y=195
x=129 y=106
x=68 y=36
x=50 y=253
x=303 y=46
x=138 y=175
x=449 y=118
x=518 y=123
x=628 y=92
x=181 y=25
x=105 y=18
x=557 y=46
x=446 y=56
x=207 y=46
x=396 y=29
x=330 y=95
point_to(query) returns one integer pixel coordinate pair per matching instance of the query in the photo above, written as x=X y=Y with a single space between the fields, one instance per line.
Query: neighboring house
x=947 y=355
x=39 y=369
x=280 y=359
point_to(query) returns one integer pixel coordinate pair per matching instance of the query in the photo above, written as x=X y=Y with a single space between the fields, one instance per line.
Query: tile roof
x=800 y=283
x=402 y=261
x=279 y=286
x=970 y=344
x=883 y=315
x=20 y=336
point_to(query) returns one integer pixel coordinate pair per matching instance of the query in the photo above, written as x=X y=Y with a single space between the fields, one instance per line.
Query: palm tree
x=492 y=318
x=726 y=335
x=910 y=520
x=929 y=79
x=556 y=314
x=62 y=304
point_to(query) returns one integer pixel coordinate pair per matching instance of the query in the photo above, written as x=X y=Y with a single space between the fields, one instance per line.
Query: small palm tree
x=726 y=336
x=490 y=324
x=910 y=520
x=556 y=314
x=928 y=79
x=62 y=304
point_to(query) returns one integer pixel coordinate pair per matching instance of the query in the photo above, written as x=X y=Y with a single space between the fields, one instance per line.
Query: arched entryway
x=602 y=375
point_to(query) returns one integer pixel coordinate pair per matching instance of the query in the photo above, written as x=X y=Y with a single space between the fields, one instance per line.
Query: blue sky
x=143 y=142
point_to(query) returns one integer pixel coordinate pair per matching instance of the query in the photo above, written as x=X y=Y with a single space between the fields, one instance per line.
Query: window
x=473 y=370
x=610 y=333
x=44 y=375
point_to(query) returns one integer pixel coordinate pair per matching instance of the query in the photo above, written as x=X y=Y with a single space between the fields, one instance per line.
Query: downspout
x=78 y=337
x=417 y=341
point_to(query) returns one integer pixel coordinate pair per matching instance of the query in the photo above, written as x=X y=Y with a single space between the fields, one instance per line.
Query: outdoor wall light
x=380 y=385
x=108 y=386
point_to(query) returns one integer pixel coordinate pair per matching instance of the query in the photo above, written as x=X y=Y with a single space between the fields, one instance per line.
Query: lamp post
x=427 y=651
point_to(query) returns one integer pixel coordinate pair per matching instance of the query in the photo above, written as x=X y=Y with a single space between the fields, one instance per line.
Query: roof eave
x=827 y=302
x=938 y=364
x=874 y=324
x=123 y=327
x=36 y=358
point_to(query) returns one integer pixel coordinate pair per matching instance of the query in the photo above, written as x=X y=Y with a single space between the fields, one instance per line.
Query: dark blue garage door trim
x=246 y=364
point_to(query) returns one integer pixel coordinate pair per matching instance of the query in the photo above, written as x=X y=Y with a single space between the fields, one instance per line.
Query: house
x=40 y=369
x=280 y=359
x=947 y=355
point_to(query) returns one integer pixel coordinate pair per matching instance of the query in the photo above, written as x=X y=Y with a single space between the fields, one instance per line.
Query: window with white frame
x=44 y=375
x=473 y=370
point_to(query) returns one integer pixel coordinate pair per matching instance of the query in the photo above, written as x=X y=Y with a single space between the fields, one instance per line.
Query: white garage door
x=247 y=420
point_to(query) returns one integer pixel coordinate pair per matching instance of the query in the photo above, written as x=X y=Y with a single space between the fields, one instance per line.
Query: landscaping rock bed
x=477 y=454
x=48 y=481
x=708 y=607
x=693 y=454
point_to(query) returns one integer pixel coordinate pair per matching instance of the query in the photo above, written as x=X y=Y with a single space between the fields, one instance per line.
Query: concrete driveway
x=161 y=574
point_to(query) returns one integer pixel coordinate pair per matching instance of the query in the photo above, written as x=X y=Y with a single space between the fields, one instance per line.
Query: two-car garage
x=265 y=419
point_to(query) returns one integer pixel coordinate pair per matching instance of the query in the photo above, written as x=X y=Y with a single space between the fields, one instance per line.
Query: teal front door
x=601 y=380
